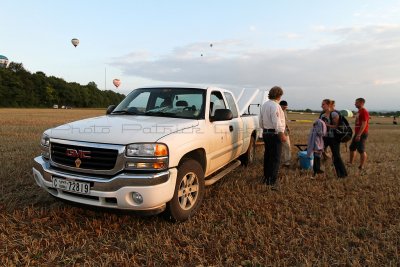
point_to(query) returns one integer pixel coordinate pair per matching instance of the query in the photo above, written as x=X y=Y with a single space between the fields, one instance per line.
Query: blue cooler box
x=306 y=163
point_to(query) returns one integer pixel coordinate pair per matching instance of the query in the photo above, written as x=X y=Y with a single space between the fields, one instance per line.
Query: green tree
x=20 y=88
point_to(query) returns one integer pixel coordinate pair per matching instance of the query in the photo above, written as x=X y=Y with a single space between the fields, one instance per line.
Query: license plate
x=71 y=186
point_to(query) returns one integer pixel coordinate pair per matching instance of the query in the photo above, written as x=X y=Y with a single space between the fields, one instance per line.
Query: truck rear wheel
x=189 y=191
x=249 y=157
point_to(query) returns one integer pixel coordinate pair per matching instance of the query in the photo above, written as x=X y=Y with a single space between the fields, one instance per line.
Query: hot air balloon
x=75 y=41
x=3 y=61
x=211 y=45
x=117 y=82
x=346 y=113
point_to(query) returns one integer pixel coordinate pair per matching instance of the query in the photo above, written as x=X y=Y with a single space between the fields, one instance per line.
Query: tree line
x=372 y=113
x=20 y=88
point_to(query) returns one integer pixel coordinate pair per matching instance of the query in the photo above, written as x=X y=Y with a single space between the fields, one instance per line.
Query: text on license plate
x=71 y=186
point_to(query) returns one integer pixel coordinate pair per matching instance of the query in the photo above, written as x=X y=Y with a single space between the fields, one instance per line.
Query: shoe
x=266 y=181
x=274 y=187
x=362 y=171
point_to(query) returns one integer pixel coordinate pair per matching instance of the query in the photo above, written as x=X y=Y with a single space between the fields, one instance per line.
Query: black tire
x=249 y=157
x=189 y=191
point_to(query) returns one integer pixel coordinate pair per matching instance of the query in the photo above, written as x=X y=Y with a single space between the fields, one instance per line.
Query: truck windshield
x=187 y=103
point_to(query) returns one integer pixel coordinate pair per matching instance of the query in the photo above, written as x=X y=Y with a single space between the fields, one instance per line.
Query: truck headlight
x=45 y=146
x=146 y=156
x=147 y=150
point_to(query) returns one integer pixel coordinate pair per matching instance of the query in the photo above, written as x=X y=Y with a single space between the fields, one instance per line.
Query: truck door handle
x=230 y=128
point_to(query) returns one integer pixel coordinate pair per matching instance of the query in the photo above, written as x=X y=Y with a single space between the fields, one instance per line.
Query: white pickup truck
x=156 y=150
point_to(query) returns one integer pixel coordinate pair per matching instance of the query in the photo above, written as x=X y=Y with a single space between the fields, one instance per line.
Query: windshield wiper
x=124 y=112
x=160 y=113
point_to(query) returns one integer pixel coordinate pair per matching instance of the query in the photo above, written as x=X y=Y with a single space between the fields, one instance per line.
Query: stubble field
x=308 y=222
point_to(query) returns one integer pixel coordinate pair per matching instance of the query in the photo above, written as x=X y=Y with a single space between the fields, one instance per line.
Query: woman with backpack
x=331 y=119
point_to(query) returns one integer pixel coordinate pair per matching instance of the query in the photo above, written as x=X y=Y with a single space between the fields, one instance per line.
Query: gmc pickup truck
x=156 y=150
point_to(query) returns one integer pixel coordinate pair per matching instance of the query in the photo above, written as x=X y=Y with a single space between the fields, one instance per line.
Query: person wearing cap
x=272 y=121
x=286 y=153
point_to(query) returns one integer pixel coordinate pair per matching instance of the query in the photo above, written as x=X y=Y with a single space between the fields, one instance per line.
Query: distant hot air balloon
x=75 y=41
x=117 y=82
x=211 y=45
x=3 y=61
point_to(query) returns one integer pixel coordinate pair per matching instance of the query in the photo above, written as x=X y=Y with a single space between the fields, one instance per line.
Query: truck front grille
x=91 y=158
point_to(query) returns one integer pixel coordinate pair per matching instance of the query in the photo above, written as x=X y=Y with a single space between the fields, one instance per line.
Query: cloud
x=382 y=13
x=253 y=28
x=365 y=58
x=291 y=36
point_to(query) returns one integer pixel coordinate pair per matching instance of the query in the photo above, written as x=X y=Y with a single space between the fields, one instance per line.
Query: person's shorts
x=359 y=145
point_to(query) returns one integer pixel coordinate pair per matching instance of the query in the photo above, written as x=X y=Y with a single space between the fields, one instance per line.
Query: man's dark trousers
x=272 y=157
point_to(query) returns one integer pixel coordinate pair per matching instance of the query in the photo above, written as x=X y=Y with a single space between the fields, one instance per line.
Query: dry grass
x=324 y=222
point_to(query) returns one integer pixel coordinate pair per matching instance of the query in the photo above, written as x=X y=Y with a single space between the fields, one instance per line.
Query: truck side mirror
x=222 y=115
x=110 y=109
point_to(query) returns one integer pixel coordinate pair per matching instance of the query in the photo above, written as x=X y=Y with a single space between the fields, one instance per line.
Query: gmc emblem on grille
x=77 y=153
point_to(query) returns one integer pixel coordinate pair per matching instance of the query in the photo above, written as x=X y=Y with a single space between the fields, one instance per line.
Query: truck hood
x=120 y=129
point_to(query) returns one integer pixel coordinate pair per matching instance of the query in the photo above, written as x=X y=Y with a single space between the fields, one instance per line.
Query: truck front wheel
x=189 y=191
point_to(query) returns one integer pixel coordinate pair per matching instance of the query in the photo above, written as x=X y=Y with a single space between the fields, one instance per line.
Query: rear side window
x=231 y=104
x=217 y=102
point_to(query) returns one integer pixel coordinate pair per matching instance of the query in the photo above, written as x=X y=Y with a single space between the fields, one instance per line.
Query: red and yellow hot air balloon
x=117 y=82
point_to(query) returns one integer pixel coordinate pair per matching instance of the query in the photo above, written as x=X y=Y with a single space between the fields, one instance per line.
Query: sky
x=313 y=49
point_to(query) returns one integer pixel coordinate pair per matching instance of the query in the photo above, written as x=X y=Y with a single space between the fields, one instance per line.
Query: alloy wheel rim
x=188 y=191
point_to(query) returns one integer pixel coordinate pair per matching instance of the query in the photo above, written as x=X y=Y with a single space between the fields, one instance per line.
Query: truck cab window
x=231 y=104
x=216 y=102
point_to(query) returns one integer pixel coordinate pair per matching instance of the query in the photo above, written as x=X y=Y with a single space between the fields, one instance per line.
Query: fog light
x=159 y=165
x=137 y=198
x=139 y=165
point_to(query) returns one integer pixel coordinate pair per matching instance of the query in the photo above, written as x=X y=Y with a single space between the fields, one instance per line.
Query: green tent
x=347 y=113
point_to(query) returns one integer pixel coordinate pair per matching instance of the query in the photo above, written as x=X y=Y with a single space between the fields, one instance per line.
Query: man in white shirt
x=272 y=121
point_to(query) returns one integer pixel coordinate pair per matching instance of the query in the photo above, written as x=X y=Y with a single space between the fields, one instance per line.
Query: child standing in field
x=315 y=144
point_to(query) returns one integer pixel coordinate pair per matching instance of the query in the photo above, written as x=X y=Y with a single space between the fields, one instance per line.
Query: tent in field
x=346 y=113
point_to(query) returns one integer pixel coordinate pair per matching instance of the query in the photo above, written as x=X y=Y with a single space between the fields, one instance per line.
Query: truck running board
x=221 y=174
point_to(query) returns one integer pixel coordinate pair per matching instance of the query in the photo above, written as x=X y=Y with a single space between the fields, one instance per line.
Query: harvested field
x=308 y=222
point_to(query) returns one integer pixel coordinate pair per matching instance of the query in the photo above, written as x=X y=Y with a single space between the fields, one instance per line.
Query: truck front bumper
x=115 y=192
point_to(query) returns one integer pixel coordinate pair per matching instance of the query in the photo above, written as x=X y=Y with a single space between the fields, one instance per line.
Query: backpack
x=343 y=132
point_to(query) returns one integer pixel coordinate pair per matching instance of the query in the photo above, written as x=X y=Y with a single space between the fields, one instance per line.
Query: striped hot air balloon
x=75 y=42
x=3 y=61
